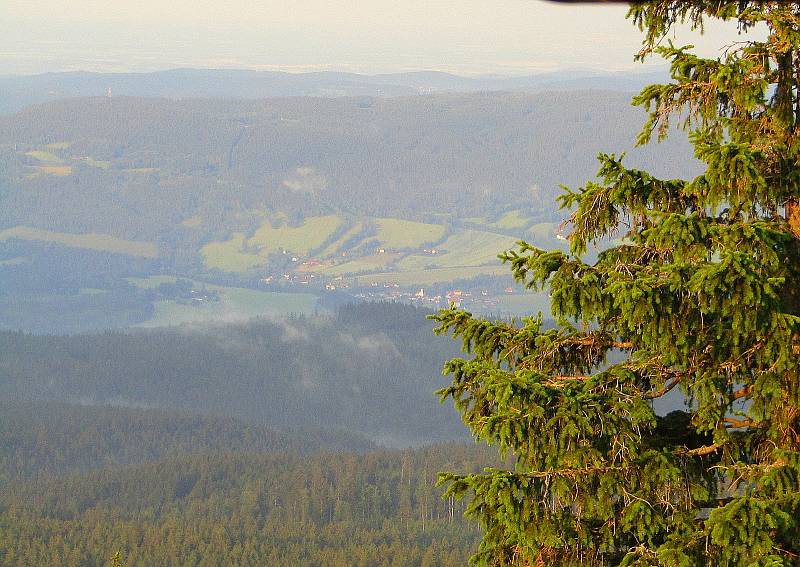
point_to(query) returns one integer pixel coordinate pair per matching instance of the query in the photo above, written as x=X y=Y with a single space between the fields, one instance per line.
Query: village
x=440 y=296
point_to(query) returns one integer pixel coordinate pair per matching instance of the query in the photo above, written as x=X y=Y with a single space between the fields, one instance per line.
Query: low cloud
x=305 y=180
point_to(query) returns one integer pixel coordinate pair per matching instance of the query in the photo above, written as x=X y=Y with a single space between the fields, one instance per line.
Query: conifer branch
x=665 y=390
x=734 y=423
x=702 y=451
x=742 y=393
x=570 y=378
x=593 y=340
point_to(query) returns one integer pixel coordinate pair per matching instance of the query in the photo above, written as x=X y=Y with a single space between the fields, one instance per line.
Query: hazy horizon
x=468 y=38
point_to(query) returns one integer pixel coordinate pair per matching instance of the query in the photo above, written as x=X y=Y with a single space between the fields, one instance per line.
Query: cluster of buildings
x=480 y=300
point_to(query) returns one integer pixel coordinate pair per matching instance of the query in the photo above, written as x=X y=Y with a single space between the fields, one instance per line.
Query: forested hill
x=371 y=369
x=329 y=510
x=130 y=468
x=16 y=92
x=52 y=438
x=180 y=172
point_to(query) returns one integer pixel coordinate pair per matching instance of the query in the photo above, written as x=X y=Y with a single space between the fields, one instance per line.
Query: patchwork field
x=375 y=262
x=464 y=248
x=400 y=234
x=513 y=220
x=44 y=156
x=427 y=277
x=340 y=247
x=103 y=242
x=235 y=304
x=228 y=255
x=299 y=240
x=336 y=246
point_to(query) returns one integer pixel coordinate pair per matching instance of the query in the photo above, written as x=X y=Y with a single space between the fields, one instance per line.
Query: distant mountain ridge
x=17 y=92
x=138 y=167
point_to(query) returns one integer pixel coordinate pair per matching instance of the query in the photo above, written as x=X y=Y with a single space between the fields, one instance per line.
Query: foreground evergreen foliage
x=700 y=296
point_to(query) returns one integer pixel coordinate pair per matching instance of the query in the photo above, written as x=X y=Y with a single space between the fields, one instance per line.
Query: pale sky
x=468 y=37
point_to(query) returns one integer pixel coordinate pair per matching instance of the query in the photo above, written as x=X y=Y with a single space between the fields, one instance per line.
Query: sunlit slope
x=301 y=239
x=230 y=305
x=385 y=250
x=464 y=248
x=402 y=234
x=102 y=242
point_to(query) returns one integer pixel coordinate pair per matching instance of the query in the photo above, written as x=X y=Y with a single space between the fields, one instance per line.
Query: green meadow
x=235 y=304
x=299 y=240
x=103 y=242
x=431 y=276
x=44 y=156
x=228 y=256
x=459 y=255
x=399 y=234
x=464 y=248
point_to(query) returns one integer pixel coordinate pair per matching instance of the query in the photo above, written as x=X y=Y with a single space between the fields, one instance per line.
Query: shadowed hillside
x=139 y=168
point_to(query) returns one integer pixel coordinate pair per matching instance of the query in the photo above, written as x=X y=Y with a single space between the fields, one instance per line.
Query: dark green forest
x=39 y=439
x=250 y=444
x=332 y=509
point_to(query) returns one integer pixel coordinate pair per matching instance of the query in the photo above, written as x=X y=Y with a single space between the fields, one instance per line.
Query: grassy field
x=99 y=164
x=103 y=242
x=335 y=246
x=57 y=170
x=373 y=263
x=43 y=156
x=228 y=255
x=299 y=240
x=464 y=248
x=58 y=145
x=512 y=220
x=235 y=304
x=398 y=234
x=542 y=232
x=427 y=277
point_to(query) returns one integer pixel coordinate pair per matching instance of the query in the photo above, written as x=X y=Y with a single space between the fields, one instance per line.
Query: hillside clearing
x=464 y=248
x=93 y=241
x=399 y=234
x=228 y=256
x=299 y=240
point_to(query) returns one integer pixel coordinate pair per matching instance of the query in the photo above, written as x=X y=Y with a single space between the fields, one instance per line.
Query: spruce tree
x=699 y=294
